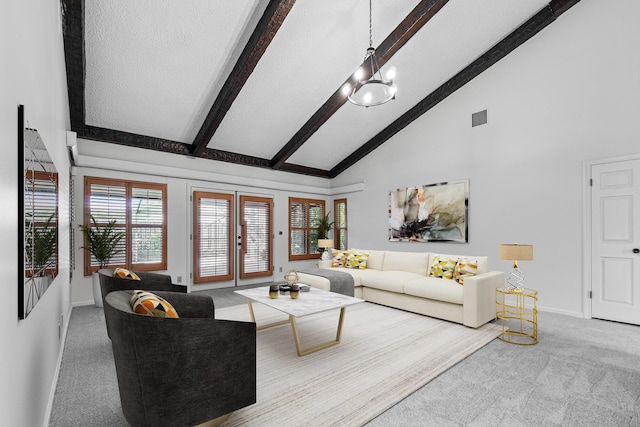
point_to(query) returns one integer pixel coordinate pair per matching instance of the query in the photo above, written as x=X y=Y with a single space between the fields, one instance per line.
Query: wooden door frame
x=587 y=226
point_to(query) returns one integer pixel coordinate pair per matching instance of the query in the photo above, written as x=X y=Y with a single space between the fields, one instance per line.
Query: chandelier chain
x=370 y=32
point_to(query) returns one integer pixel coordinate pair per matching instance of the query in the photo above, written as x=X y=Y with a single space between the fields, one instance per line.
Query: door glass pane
x=256 y=220
x=214 y=236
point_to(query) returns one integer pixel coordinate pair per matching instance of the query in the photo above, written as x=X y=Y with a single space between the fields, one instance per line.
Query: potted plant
x=102 y=243
x=324 y=226
x=324 y=243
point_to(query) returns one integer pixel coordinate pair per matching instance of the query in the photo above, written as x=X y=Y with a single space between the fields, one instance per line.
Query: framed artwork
x=431 y=213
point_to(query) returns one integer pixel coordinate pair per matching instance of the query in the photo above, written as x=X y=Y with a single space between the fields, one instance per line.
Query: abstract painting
x=431 y=213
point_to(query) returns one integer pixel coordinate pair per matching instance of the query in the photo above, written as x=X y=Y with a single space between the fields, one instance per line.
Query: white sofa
x=402 y=280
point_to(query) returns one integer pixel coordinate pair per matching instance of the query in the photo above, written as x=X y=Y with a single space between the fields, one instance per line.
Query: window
x=213 y=237
x=304 y=215
x=340 y=224
x=139 y=209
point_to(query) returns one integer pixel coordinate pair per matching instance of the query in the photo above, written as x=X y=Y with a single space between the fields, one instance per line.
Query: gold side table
x=518 y=313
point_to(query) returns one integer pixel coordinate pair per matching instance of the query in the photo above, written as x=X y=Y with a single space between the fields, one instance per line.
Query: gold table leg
x=304 y=352
x=296 y=336
x=268 y=325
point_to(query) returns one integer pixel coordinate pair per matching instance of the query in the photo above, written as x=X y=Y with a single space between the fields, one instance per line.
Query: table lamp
x=515 y=252
x=325 y=244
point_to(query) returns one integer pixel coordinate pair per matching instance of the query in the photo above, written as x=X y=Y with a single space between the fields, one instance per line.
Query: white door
x=615 y=245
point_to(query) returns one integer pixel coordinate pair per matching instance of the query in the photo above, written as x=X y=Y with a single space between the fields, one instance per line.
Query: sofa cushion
x=465 y=268
x=376 y=258
x=149 y=304
x=123 y=273
x=443 y=267
x=435 y=289
x=360 y=276
x=392 y=281
x=357 y=260
x=483 y=261
x=412 y=262
x=339 y=258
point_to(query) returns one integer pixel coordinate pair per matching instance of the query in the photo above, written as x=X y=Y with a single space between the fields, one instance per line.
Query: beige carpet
x=385 y=355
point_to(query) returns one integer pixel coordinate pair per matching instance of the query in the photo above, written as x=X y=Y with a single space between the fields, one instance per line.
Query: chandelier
x=370 y=89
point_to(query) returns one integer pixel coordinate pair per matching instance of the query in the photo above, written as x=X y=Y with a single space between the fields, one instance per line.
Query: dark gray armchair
x=148 y=282
x=180 y=372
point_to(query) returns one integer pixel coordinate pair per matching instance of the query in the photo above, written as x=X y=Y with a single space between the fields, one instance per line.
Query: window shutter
x=146 y=226
x=106 y=203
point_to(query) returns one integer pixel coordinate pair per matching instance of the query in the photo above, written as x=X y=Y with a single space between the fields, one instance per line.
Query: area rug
x=384 y=355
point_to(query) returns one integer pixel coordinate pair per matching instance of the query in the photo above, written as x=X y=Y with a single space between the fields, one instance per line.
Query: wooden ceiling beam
x=73 y=30
x=262 y=35
x=507 y=45
x=409 y=26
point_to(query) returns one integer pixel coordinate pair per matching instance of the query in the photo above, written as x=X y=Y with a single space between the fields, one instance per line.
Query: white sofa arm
x=479 y=298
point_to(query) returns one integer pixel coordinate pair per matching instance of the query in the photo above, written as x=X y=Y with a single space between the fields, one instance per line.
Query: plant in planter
x=102 y=243
x=324 y=226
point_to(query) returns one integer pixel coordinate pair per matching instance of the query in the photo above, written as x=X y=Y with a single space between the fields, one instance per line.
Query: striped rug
x=384 y=355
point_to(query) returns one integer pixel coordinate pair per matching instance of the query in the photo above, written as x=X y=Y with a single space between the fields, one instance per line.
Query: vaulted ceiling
x=259 y=82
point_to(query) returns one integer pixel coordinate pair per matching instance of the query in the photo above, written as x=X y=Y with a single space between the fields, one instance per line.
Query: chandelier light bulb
x=358 y=74
x=346 y=89
x=367 y=97
x=391 y=73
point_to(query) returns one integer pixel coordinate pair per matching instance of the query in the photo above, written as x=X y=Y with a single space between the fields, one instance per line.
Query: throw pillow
x=443 y=267
x=123 y=273
x=357 y=260
x=144 y=302
x=339 y=258
x=465 y=268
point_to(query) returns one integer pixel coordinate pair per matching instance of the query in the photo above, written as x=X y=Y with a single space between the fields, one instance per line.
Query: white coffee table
x=311 y=302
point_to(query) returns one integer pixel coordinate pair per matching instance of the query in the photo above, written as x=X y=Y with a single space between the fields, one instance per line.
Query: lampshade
x=325 y=243
x=516 y=252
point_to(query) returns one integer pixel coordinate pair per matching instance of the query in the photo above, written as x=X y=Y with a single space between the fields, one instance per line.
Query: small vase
x=295 y=291
x=97 y=295
x=274 y=290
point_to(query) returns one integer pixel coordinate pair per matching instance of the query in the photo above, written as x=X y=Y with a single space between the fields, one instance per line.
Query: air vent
x=479 y=118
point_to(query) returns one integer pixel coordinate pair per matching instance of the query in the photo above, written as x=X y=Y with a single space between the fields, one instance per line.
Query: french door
x=232 y=238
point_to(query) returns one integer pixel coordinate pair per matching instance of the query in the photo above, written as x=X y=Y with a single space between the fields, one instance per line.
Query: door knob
x=636 y=251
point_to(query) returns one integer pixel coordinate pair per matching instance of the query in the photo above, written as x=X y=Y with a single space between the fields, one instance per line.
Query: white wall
x=32 y=73
x=569 y=95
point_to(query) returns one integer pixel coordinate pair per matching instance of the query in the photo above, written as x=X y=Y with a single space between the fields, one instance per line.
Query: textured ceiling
x=154 y=72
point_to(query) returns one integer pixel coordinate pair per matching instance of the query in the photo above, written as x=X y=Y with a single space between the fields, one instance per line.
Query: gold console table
x=518 y=313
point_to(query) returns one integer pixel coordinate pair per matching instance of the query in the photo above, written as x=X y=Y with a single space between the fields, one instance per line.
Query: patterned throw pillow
x=339 y=258
x=123 y=273
x=443 y=267
x=357 y=260
x=143 y=302
x=465 y=268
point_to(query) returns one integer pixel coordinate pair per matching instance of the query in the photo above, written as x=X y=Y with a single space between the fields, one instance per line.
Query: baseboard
x=83 y=303
x=54 y=385
x=565 y=312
